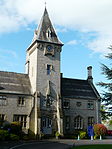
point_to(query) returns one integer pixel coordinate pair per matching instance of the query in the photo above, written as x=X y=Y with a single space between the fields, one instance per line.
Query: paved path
x=51 y=144
x=36 y=145
x=85 y=142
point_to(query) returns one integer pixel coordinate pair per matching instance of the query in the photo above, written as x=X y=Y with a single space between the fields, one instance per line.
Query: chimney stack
x=90 y=78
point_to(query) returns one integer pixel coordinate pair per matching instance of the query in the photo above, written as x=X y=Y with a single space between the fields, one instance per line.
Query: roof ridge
x=13 y=72
x=75 y=79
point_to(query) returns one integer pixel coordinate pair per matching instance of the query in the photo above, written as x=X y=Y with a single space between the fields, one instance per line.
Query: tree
x=99 y=129
x=104 y=113
x=107 y=94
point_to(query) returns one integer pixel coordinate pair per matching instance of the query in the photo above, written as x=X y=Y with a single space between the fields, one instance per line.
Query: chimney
x=90 y=78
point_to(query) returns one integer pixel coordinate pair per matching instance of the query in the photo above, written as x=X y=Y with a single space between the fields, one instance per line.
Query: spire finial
x=45 y=4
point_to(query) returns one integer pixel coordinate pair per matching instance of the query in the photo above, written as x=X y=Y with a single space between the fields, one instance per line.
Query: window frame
x=3 y=100
x=67 y=122
x=66 y=106
x=21 y=102
x=78 y=122
x=91 y=120
x=48 y=69
x=2 y=117
x=90 y=105
x=20 y=118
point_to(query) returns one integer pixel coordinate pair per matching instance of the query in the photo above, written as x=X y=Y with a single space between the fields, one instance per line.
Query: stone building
x=41 y=99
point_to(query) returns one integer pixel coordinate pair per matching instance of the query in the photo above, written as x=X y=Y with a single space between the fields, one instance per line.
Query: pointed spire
x=46 y=31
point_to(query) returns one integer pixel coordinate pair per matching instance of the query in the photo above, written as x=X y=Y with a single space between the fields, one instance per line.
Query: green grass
x=99 y=146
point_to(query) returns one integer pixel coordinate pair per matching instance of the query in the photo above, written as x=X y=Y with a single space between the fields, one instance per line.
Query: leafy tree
x=106 y=110
x=99 y=129
x=104 y=113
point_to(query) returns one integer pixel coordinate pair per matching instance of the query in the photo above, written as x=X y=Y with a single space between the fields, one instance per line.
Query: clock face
x=49 y=48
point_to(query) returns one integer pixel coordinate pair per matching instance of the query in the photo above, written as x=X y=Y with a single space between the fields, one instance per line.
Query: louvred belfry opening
x=46 y=31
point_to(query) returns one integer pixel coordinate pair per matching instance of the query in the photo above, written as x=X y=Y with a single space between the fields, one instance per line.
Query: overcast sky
x=80 y=24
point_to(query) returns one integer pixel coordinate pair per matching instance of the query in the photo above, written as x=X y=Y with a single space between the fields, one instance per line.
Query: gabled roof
x=45 y=28
x=78 y=89
x=16 y=83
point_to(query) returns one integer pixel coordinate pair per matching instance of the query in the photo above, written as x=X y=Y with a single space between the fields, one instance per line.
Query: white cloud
x=82 y=15
x=72 y=42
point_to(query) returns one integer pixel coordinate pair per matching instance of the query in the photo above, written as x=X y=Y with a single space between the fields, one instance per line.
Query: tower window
x=48 y=69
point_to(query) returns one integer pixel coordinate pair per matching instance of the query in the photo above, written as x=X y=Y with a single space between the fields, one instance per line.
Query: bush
x=109 y=132
x=57 y=134
x=16 y=128
x=83 y=135
x=70 y=136
x=4 y=135
x=14 y=137
x=99 y=129
x=25 y=137
x=6 y=125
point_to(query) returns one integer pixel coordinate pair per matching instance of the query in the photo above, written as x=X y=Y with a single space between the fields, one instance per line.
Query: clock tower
x=43 y=68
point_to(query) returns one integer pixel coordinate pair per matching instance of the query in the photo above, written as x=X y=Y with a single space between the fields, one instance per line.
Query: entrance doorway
x=46 y=125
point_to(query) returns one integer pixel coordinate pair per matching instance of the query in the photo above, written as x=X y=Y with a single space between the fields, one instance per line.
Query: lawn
x=99 y=146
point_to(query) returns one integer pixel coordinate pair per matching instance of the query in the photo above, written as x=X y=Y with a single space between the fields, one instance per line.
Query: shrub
x=99 y=129
x=57 y=134
x=83 y=135
x=14 y=137
x=4 y=135
x=6 y=125
x=16 y=128
x=109 y=132
x=70 y=136
x=25 y=137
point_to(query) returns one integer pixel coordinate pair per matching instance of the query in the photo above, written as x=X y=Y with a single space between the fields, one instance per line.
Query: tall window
x=48 y=69
x=67 y=122
x=21 y=101
x=21 y=118
x=90 y=105
x=46 y=122
x=78 y=122
x=3 y=100
x=49 y=123
x=2 y=117
x=90 y=121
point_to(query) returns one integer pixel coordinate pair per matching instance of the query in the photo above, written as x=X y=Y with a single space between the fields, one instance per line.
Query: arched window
x=78 y=122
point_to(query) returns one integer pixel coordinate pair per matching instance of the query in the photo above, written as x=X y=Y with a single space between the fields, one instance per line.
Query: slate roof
x=45 y=24
x=16 y=83
x=75 y=88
